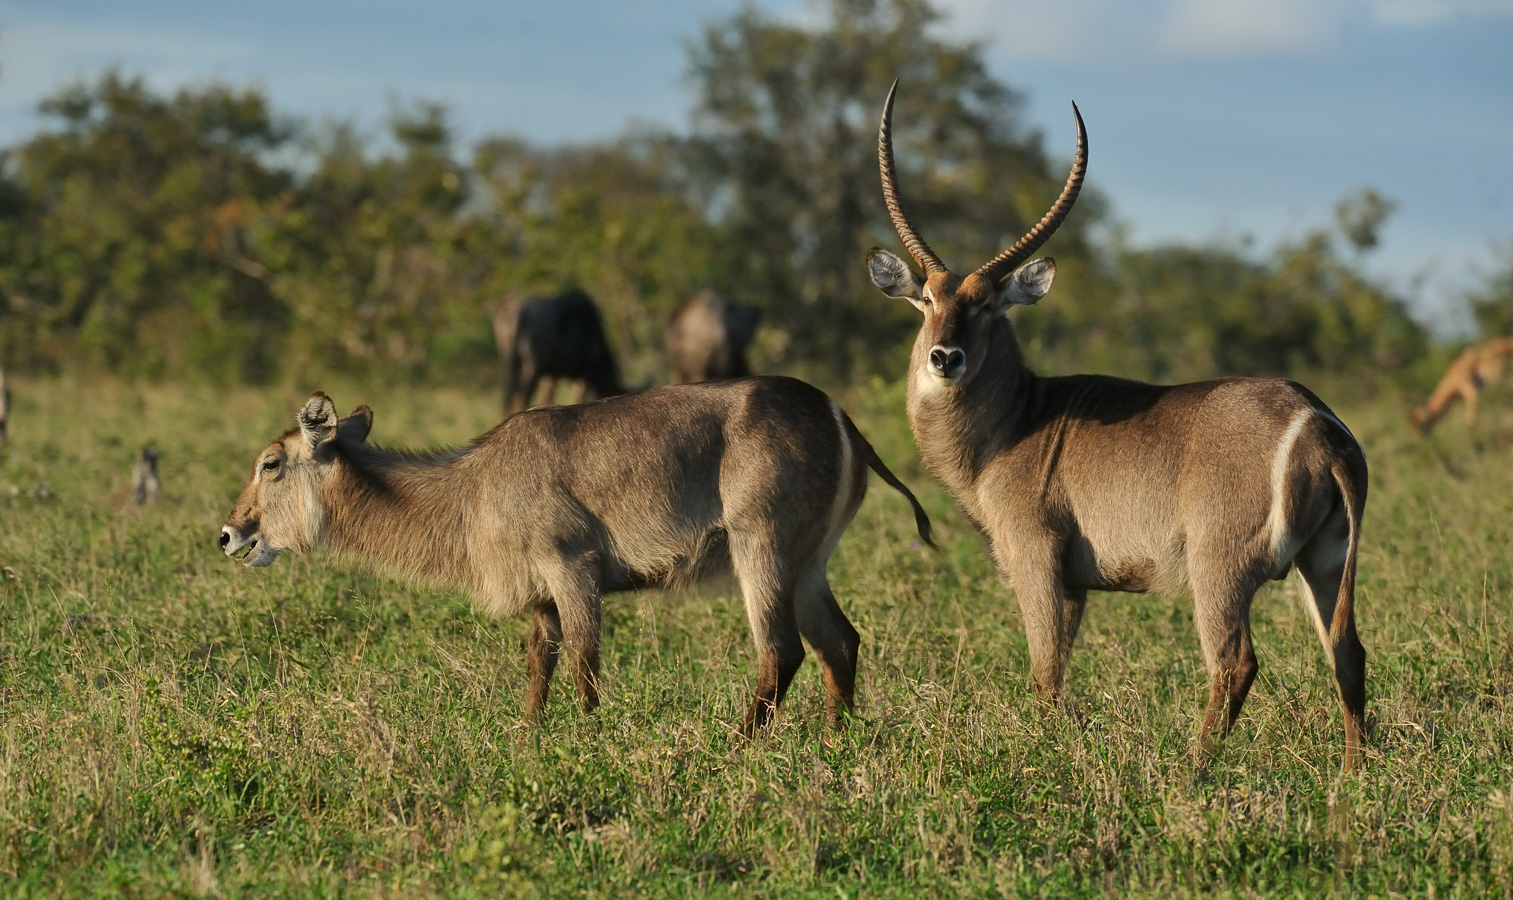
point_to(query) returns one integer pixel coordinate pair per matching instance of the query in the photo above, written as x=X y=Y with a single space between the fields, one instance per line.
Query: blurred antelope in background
x=545 y=338
x=560 y=505
x=706 y=338
x=145 y=486
x=1466 y=378
x=1093 y=483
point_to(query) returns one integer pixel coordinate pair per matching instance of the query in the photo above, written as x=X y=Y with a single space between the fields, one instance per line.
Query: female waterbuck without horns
x=1092 y=483
x=560 y=505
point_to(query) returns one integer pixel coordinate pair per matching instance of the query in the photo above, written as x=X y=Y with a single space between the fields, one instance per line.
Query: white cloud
x=1069 y=30
x=1143 y=30
x=1421 y=13
x=37 y=55
x=1235 y=28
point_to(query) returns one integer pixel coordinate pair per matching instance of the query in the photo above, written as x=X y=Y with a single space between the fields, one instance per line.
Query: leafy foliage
x=122 y=233
x=203 y=234
x=785 y=138
x=1492 y=302
x=1179 y=313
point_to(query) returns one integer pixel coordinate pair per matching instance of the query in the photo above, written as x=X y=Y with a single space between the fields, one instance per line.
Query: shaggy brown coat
x=558 y=506
x=1092 y=483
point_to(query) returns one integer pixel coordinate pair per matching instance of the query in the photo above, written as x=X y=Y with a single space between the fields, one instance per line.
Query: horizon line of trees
x=203 y=234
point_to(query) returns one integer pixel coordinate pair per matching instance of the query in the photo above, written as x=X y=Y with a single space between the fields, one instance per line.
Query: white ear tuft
x=1027 y=284
x=318 y=420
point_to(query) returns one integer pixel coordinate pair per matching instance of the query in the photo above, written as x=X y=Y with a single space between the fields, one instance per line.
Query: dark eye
x=269 y=465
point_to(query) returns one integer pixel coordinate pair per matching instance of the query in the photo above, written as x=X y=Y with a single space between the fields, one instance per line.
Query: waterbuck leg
x=544 y=644
x=1072 y=622
x=779 y=655
x=1221 y=609
x=757 y=556
x=576 y=592
x=780 y=652
x=834 y=640
x=581 y=623
x=1321 y=565
x=1052 y=615
x=1472 y=397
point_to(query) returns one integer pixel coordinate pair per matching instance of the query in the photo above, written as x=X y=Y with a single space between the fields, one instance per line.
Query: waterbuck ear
x=317 y=421
x=894 y=277
x=1028 y=284
x=355 y=427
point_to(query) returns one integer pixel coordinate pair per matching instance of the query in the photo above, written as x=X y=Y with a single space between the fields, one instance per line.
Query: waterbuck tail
x=1348 y=656
x=875 y=463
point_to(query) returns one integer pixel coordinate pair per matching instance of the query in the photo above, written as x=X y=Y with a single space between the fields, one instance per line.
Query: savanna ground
x=174 y=724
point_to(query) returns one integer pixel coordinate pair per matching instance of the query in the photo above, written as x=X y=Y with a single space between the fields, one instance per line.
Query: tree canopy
x=202 y=233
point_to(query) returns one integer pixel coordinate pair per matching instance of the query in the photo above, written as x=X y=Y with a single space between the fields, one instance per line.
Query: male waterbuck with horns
x=1092 y=483
x=560 y=505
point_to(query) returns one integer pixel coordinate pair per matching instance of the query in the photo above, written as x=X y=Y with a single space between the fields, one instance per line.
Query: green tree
x=615 y=218
x=123 y=229
x=1360 y=217
x=369 y=257
x=1184 y=312
x=1492 y=302
x=784 y=150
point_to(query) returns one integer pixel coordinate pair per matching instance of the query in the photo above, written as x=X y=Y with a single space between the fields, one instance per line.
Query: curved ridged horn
x=1005 y=262
x=917 y=247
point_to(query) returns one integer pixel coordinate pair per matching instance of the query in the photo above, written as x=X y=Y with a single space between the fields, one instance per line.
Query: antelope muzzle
x=947 y=362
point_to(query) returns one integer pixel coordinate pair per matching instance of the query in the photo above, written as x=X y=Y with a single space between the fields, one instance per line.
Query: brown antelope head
x=961 y=312
x=282 y=507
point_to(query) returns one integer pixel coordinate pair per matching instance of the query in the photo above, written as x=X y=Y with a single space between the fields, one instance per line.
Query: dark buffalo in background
x=542 y=339
x=707 y=336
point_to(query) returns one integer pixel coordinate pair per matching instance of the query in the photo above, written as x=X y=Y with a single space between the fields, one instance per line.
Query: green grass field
x=174 y=724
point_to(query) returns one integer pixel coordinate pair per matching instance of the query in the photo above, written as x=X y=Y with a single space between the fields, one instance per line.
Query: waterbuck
x=542 y=339
x=706 y=338
x=1093 y=483
x=558 y=506
x=1466 y=378
x=145 y=484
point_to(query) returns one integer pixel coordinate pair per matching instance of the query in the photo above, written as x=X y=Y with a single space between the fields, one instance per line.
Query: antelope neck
x=959 y=430
x=403 y=512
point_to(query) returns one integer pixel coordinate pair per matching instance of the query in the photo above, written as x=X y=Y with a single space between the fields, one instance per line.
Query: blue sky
x=1208 y=119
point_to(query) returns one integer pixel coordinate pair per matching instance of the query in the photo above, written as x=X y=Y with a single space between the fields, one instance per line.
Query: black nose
x=946 y=361
x=225 y=539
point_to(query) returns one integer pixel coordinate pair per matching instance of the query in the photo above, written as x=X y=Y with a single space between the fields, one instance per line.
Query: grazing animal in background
x=558 y=506
x=706 y=338
x=545 y=338
x=145 y=486
x=1092 y=483
x=5 y=405
x=1466 y=378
